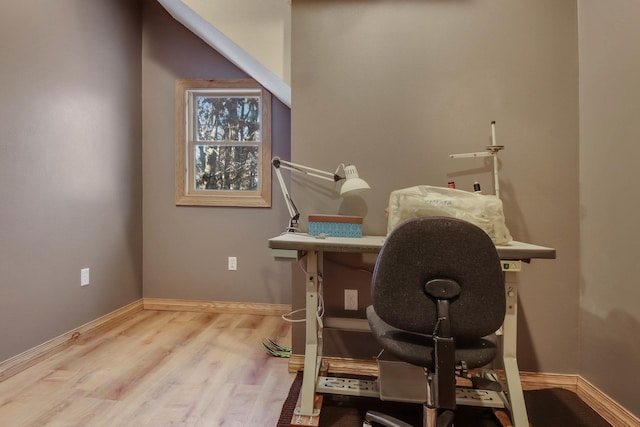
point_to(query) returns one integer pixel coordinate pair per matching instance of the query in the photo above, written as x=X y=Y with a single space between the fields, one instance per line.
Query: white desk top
x=372 y=244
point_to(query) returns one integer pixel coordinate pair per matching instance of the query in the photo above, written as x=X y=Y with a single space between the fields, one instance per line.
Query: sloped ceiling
x=228 y=48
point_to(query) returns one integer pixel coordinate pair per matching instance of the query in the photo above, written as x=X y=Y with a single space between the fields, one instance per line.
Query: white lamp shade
x=353 y=183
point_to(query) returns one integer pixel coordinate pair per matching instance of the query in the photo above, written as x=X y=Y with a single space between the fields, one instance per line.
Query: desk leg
x=313 y=335
x=509 y=344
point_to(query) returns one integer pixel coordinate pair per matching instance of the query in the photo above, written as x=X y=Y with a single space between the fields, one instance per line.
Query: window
x=223 y=143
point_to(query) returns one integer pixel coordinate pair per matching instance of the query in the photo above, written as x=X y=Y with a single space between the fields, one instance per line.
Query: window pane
x=224 y=118
x=226 y=167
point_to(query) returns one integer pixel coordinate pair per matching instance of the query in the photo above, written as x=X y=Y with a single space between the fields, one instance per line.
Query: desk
x=296 y=245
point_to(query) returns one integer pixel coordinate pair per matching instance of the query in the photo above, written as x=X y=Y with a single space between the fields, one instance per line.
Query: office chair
x=437 y=295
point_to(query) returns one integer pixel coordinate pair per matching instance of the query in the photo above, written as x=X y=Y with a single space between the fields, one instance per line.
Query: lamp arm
x=353 y=183
x=307 y=170
x=294 y=214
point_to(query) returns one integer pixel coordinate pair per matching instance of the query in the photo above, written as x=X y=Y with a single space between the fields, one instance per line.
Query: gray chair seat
x=416 y=349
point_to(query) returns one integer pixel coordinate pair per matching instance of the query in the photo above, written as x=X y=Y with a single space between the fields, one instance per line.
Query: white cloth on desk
x=485 y=211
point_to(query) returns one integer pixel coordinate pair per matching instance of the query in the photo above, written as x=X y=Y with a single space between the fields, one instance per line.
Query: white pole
x=494 y=152
x=491 y=150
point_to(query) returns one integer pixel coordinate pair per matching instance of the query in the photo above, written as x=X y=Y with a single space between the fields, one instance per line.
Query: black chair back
x=423 y=249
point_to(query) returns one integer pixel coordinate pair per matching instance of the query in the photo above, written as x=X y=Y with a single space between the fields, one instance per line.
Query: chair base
x=373 y=418
x=430 y=418
x=486 y=392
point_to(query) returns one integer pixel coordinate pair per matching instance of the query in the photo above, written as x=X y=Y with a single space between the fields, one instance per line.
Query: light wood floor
x=157 y=368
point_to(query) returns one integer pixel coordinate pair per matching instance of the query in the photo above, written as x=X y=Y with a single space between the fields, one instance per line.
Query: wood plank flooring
x=158 y=368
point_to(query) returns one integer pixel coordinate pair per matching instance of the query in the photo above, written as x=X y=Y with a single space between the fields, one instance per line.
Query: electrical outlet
x=84 y=277
x=233 y=263
x=351 y=299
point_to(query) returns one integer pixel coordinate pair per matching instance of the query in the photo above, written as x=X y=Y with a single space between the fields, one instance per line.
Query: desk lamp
x=353 y=183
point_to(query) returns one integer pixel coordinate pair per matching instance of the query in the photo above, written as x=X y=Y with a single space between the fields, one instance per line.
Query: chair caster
x=373 y=418
x=486 y=384
x=445 y=419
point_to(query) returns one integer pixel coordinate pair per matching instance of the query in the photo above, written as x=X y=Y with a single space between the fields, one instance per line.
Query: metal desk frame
x=295 y=245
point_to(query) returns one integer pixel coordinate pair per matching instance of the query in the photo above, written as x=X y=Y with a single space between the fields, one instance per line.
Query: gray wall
x=72 y=172
x=70 y=155
x=186 y=248
x=609 y=231
x=395 y=86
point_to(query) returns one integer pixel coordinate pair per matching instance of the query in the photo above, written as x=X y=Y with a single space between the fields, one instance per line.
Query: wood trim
x=338 y=365
x=538 y=381
x=36 y=354
x=261 y=309
x=606 y=407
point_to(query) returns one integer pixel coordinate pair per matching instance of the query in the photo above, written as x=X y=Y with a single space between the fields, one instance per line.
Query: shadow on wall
x=610 y=350
x=530 y=362
x=514 y=216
